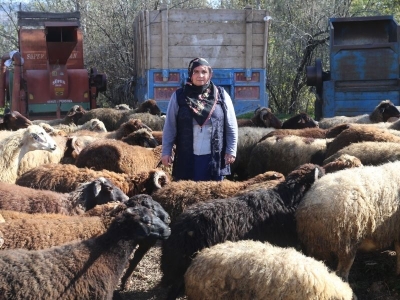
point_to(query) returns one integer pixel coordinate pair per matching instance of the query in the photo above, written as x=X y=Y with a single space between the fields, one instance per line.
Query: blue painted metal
x=154 y=87
x=364 y=62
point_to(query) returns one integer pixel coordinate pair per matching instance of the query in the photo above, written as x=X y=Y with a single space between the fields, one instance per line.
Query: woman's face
x=201 y=75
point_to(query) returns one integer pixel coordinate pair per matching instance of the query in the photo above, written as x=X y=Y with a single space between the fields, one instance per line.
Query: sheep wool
x=257 y=271
x=352 y=209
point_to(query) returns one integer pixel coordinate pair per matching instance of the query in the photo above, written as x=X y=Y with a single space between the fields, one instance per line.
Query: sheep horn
x=160 y=179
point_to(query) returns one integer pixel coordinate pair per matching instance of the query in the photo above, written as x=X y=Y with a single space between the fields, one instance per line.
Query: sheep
x=94 y=125
x=13 y=120
x=284 y=154
x=255 y=270
x=142 y=137
x=88 y=269
x=82 y=138
x=119 y=157
x=178 y=195
x=14 y=147
x=155 y=122
x=44 y=230
x=265 y=215
x=370 y=153
x=301 y=120
x=310 y=132
x=341 y=162
x=157 y=135
x=122 y=106
x=263 y=117
x=358 y=133
x=113 y=118
x=124 y=130
x=75 y=113
x=144 y=246
x=41 y=231
x=247 y=139
x=350 y=210
x=32 y=159
x=381 y=113
x=65 y=178
x=85 y=197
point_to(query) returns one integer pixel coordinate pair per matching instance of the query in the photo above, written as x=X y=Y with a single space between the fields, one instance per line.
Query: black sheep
x=264 y=215
x=299 y=121
x=88 y=269
x=144 y=245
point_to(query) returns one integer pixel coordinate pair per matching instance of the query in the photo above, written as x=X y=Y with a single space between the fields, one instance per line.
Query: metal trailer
x=235 y=43
x=47 y=75
x=364 y=67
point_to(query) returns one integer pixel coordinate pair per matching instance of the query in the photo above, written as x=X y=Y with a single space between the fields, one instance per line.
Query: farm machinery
x=364 y=67
x=47 y=76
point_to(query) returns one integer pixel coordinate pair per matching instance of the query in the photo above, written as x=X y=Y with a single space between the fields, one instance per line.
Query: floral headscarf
x=200 y=99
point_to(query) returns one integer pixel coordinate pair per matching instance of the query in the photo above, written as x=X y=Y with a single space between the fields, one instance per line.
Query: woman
x=201 y=122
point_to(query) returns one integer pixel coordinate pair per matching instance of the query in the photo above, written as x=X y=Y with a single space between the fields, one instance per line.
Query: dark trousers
x=202 y=169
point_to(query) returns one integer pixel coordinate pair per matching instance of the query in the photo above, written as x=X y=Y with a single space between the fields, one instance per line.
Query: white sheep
x=381 y=113
x=351 y=209
x=370 y=153
x=94 y=125
x=255 y=270
x=14 y=147
x=285 y=153
x=36 y=158
x=248 y=137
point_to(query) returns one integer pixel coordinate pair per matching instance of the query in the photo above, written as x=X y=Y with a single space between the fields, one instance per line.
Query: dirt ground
x=371 y=277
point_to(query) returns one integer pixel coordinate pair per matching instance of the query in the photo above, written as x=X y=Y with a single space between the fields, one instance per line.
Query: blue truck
x=235 y=42
x=364 y=67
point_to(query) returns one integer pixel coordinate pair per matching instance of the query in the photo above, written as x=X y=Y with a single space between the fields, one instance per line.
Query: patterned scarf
x=200 y=99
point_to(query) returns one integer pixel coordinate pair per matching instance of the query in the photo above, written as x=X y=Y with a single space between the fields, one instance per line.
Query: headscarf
x=200 y=99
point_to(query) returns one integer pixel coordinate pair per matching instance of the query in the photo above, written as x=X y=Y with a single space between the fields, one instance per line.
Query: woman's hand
x=229 y=159
x=166 y=160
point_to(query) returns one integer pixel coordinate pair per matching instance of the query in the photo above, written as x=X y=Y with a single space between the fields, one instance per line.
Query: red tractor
x=47 y=76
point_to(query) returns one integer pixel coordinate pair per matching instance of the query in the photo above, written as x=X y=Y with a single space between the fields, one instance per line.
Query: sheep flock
x=310 y=211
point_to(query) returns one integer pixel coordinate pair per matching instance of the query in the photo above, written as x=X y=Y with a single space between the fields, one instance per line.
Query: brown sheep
x=64 y=178
x=111 y=117
x=124 y=130
x=75 y=113
x=178 y=195
x=117 y=156
x=263 y=117
x=13 y=120
x=86 y=196
x=142 y=137
x=342 y=162
x=40 y=231
x=359 y=133
x=87 y=269
x=82 y=138
x=310 y=132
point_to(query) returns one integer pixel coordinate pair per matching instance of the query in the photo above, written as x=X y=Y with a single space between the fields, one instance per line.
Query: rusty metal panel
x=241 y=77
x=37 y=86
x=172 y=77
x=164 y=93
x=247 y=92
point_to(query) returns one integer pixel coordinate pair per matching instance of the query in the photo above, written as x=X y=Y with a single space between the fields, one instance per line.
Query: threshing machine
x=47 y=76
x=364 y=67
